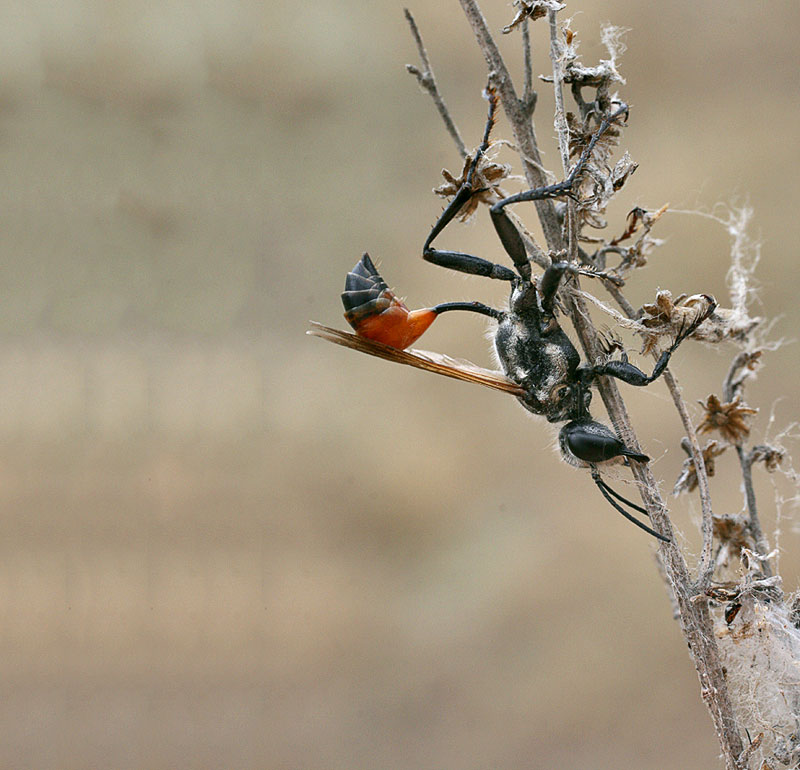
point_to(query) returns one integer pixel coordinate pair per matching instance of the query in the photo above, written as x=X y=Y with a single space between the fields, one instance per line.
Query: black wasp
x=541 y=366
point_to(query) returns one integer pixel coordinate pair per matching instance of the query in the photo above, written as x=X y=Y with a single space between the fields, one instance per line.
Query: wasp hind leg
x=457 y=260
x=507 y=231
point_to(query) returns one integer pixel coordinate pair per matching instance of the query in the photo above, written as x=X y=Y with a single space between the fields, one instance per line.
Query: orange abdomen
x=395 y=326
x=374 y=311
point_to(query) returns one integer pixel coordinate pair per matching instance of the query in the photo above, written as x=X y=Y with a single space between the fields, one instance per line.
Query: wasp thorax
x=524 y=298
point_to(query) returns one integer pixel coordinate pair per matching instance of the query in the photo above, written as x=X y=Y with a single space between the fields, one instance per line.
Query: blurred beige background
x=225 y=544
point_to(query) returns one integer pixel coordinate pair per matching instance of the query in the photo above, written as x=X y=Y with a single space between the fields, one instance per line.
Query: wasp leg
x=511 y=239
x=508 y=233
x=605 y=490
x=627 y=372
x=549 y=283
x=475 y=307
x=456 y=260
x=565 y=188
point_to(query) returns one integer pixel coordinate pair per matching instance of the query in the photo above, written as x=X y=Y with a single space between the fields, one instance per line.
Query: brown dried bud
x=732 y=533
x=728 y=418
x=486 y=178
x=772 y=457
x=531 y=9
x=668 y=316
x=639 y=217
x=687 y=481
x=623 y=169
x=731 y=529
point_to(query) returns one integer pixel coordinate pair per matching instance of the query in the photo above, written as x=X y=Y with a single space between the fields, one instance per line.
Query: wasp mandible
x=540 y=365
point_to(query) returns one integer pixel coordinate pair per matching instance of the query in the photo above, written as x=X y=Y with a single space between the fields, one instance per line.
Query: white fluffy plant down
x=760 y=648
x=757 y=626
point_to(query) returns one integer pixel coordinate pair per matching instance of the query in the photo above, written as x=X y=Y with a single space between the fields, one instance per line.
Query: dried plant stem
x=529 y=96
x=562 y=131
x=427 y=80
x=521 y=125
x=620 y=299
x=705 y=568
x=693 y=609
x=762 y=547
x=731 y=387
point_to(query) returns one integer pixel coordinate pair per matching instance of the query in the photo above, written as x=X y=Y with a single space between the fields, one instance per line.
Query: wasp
x=540 y=365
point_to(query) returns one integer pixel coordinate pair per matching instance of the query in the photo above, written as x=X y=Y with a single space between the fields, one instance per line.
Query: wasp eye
x=559 y=393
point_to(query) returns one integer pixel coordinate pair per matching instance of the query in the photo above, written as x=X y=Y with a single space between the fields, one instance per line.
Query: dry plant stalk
x=742 y=632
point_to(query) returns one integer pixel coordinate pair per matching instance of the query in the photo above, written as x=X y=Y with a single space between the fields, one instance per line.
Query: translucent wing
x=438 y=363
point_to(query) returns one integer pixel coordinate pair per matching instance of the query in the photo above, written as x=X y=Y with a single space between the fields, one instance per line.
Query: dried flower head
x=668 y=316
x=771 y=456
x=531 y=9
x=724 y=324
x=732 y=533
x=487 y=177
x=729 y=418
x=639 y=217
x=636 y=254
x=731 y=529
x=622 y=170
x=687 y=481
x=673 y=313
x=744 y=366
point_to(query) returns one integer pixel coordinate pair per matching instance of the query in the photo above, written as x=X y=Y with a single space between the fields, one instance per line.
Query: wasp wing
x=438 y=363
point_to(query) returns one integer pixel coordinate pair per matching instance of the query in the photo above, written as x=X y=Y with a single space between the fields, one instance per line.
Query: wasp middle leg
x=627 y=372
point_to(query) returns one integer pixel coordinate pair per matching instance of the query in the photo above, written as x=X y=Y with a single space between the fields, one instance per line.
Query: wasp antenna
x=604 y=490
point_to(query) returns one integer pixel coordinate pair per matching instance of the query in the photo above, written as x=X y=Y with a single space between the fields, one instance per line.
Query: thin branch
x=620 y=299
x=529 y=96
x=731 y=388
x=427 y=80
x=562 y=131
x=762 y=546
x=705 y=567
x=521 y=125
